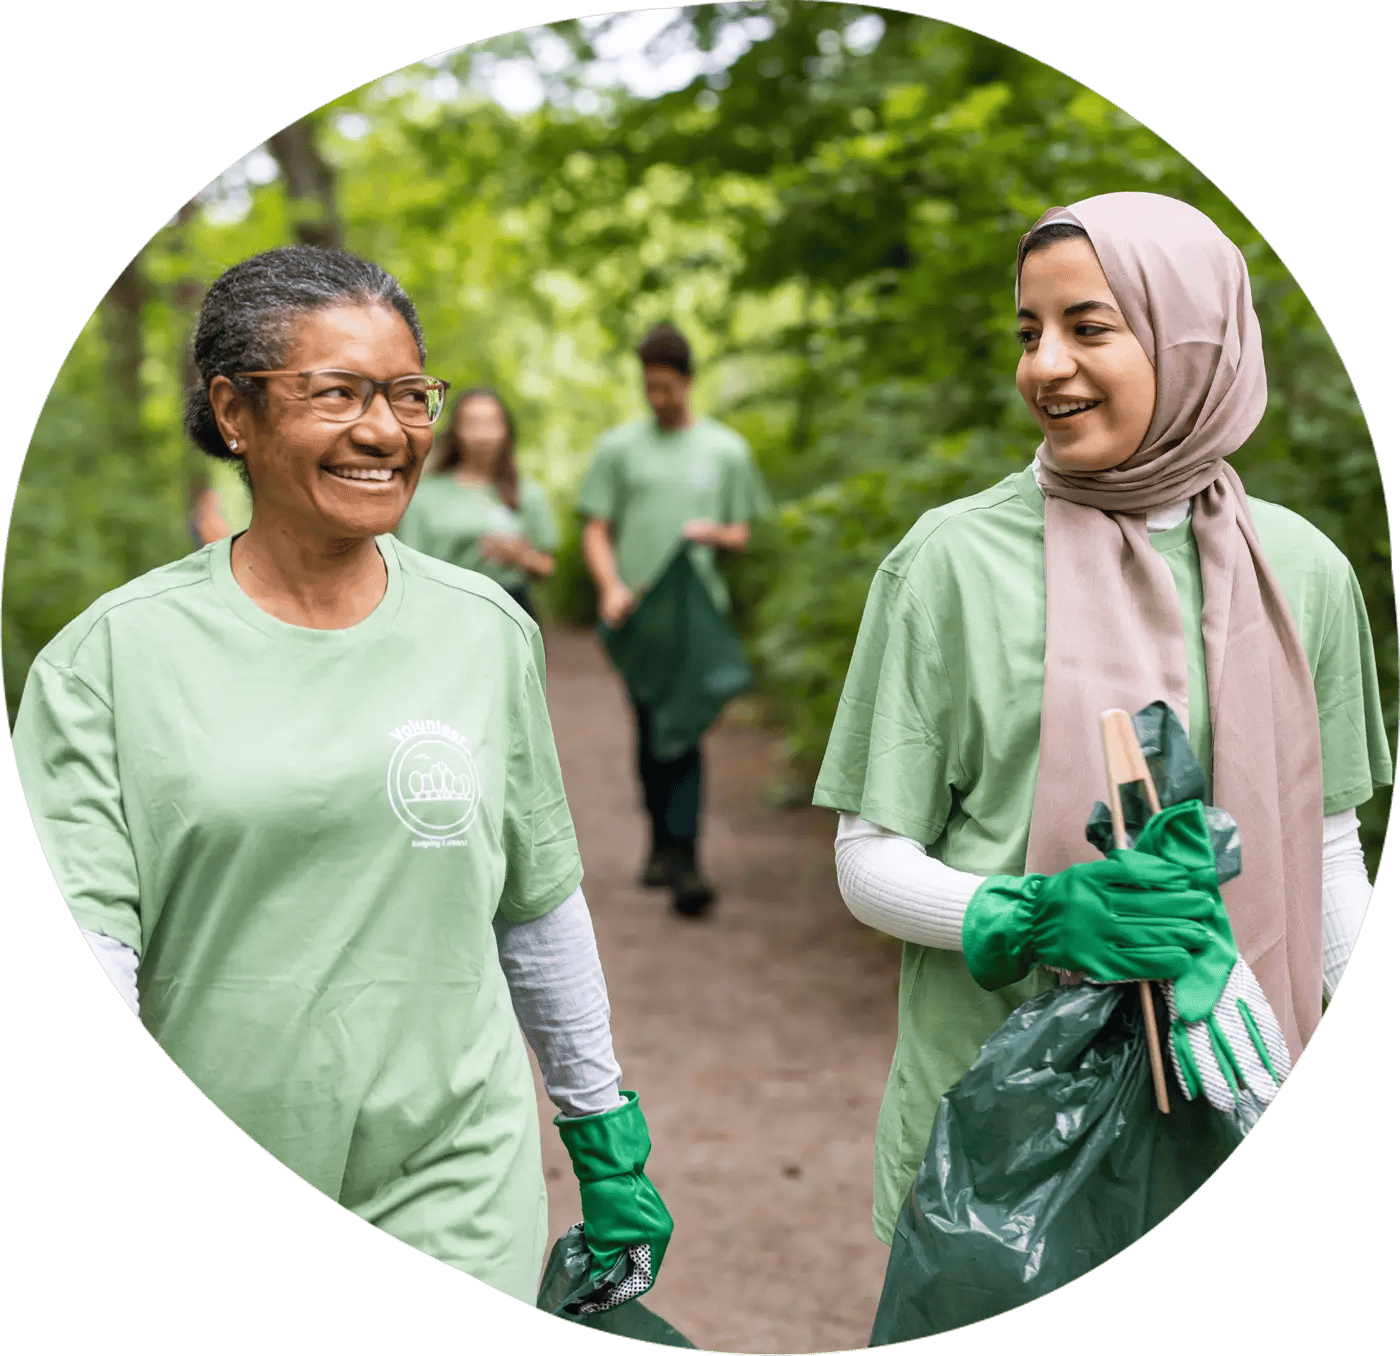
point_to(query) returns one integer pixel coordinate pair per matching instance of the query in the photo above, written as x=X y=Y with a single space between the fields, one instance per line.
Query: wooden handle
x=1126 y=765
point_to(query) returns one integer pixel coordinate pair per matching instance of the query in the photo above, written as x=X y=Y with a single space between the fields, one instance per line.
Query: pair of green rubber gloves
x=1152 y=911
x=625 y=1222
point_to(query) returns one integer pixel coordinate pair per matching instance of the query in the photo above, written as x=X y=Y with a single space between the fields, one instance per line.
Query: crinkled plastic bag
x=566 y=1283
x=1047 y=1158
x=1049 y=1155
x=1177 y=776
x=679 y=657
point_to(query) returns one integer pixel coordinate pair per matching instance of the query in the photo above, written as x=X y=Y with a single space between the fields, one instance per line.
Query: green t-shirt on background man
x=305 y=835
x=649 y=482
x=446 y=518
x=937 y=738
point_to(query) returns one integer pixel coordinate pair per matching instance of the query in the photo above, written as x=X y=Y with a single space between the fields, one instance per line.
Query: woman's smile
x=1062 y=409
x=366 y=475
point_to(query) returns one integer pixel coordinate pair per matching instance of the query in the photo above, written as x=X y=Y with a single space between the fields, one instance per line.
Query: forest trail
x=759 y=1037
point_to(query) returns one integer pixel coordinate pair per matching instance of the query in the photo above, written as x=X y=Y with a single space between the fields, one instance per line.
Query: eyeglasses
x=342 y=397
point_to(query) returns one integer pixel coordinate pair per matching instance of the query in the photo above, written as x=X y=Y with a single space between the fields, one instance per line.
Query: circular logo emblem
x=433 y=786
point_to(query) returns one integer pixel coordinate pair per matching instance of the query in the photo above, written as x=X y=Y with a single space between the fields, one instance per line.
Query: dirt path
x=759 y=1037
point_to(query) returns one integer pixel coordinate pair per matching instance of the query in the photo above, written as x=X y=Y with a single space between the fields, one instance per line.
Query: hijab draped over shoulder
x=1113 y=635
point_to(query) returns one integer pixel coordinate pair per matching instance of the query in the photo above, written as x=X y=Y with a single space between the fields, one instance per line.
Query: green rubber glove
x=1225 y=1039
x=1134 y=915
x=626 y=1224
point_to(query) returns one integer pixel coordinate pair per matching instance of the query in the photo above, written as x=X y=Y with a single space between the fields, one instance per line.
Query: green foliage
x=832 y=221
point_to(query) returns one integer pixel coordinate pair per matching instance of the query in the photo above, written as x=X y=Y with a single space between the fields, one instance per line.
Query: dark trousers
x=670 y=789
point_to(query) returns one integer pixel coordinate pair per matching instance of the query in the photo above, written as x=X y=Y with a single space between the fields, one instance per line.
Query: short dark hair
x=1047 y=235
x=247 y=319
x=665 y=346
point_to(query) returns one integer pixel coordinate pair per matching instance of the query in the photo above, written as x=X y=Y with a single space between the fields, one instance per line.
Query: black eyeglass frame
x=372 y=388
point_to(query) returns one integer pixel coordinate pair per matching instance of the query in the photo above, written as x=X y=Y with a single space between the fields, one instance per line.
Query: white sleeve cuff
x=890 y=883
x=1346 y=891
x=120 y=962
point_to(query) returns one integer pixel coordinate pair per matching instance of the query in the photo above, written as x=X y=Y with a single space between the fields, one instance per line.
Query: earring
x=233 y=444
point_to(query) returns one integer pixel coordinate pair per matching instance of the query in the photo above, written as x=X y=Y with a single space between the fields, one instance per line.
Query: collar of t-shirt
x=1159 y=520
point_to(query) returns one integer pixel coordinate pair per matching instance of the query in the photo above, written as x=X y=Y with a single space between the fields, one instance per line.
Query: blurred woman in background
x=477 y=510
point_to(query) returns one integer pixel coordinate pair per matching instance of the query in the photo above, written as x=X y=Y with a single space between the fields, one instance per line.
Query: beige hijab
x=1113 y=633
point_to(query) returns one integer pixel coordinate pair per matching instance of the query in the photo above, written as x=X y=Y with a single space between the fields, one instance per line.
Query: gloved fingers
x=1131 y=869
x=1197 y=1060
x=1251 y=1073
x=1188 y=1075
x=1221 y=1056
x=638 y=1277
x=1245 y=995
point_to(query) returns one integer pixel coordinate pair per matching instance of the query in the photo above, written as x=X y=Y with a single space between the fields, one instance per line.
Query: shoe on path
x=691 y=893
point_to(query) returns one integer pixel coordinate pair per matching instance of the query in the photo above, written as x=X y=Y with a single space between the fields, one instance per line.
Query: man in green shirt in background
x=655 y=483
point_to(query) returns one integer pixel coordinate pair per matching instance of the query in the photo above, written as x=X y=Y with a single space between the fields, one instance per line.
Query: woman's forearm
x=561 y=1001
x=891 y=884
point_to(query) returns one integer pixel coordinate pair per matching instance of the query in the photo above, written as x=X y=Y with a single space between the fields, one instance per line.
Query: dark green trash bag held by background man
x=679 y=657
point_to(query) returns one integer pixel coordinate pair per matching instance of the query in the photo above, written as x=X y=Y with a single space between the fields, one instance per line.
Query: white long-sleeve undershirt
x=556 y=987
x=891 y=884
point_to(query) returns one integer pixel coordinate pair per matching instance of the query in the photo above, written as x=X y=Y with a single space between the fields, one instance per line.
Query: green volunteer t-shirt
x=447 y=518
x=649 y=482
x=306 y=835
x=937 y=737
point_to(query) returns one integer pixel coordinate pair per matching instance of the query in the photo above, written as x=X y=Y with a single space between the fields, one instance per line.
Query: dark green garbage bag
x=566 y=1284
x=1049 y=1155
x=679 y=657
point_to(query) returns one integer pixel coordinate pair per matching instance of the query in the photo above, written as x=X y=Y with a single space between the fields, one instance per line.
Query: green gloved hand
x=1225 y=1039
x=1133 y=915
x=626 y=1224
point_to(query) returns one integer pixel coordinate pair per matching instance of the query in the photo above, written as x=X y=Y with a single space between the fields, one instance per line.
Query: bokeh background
x=825 y=197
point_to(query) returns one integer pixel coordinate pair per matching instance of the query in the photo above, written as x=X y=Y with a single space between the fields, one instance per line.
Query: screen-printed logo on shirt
x=433 y=784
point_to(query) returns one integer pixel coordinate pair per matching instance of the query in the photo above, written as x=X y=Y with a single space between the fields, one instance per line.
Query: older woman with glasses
x=301 y=791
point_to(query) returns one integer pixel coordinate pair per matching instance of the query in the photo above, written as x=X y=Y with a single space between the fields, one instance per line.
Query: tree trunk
x=310 y=184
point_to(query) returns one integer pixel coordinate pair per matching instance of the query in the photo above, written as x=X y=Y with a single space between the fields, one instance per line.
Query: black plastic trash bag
x=566 y=1285
x=1049 y=1156
x=679 y=657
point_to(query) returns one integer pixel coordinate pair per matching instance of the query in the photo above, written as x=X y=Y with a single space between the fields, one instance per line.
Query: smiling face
x=1087 y=379
x=324 y=481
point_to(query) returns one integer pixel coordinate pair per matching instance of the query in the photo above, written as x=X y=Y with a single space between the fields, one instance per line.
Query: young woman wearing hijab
x=1126 y=565
x=300 y=789
x=478 y=511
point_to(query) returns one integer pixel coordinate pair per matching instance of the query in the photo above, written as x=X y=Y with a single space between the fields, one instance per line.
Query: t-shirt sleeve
x=541 y=529
x=888 y=759
x=600 y=494
x=1355 y=750
x=745 y=494
x=65 y=748
x=542 y=859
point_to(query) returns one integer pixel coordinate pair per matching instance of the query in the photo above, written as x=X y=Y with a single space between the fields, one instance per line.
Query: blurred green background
x=825 y=197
